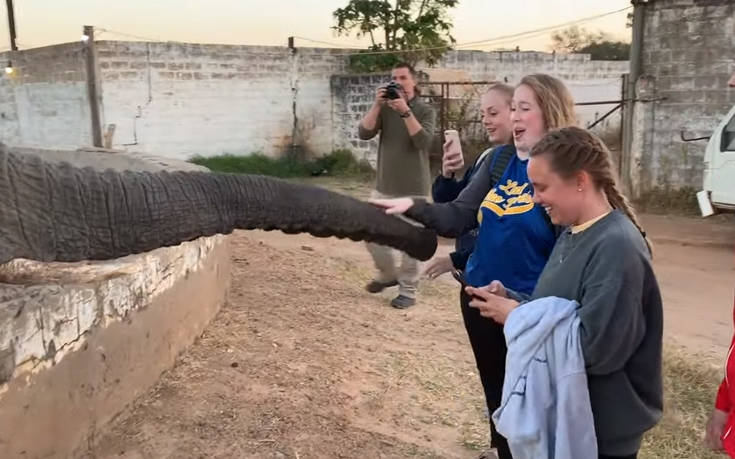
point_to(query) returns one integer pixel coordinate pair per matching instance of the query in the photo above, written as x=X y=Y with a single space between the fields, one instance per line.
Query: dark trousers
x=488 y=345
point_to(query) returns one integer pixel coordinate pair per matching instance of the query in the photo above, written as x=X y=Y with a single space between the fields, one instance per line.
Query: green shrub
x=338 y=163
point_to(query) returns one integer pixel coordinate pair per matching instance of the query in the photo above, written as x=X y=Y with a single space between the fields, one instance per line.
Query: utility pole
x=90 y=56
x=11 y=25
x=630 y=94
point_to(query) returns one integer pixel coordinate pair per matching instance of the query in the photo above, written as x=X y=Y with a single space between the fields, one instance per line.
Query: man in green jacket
x=406 y=126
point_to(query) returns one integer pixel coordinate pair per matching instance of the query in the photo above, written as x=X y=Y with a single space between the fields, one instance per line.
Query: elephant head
x=58 y=212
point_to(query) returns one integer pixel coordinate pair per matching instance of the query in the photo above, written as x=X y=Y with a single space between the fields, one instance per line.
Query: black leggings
x=488 y=345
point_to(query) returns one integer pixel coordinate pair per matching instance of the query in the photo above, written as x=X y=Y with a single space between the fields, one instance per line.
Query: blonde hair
x=554 y=99
x=573 y=149
x=505 y=90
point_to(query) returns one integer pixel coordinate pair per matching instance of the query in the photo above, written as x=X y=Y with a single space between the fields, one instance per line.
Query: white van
x=719 y=169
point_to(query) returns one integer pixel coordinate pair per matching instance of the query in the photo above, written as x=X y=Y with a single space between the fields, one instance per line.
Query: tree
x=415 y=29
x=571 y=39
x=607 y=50
x=599 y=45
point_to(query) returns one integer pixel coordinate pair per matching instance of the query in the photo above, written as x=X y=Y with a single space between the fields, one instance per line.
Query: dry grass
x=690 y=385
x=445 y=389
x=336 y=371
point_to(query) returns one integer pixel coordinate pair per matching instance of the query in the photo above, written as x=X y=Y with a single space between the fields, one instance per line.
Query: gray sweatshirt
x=607 y=270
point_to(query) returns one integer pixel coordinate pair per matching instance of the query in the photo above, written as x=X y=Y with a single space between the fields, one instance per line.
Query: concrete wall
x=80 y=341
x=44 y=102
x=687 y=54
x=180 y=100
x=587 y=80
x=511 y=66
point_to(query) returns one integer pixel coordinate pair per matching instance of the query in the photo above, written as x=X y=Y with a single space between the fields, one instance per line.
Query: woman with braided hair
x=603 y=262
x=514 y=236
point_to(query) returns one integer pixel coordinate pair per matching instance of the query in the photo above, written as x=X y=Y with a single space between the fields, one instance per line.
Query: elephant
x=58 y=212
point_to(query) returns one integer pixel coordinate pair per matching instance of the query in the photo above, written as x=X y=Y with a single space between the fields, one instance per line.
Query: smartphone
x=457 y=274
x=455 y=148
x=453 y=135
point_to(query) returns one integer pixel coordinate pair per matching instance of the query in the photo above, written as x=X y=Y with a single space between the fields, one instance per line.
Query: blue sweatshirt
x=514 y=238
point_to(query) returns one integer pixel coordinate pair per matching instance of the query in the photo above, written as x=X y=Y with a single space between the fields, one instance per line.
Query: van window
x=728 y=136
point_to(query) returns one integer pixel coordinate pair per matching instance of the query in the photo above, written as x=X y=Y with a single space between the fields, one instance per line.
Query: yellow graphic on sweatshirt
x=508 y=199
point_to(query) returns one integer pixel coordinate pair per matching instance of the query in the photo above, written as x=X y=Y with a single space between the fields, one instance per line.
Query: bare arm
x=370 y=123
x=421 y=130
x=412 y=124
x=420 y=125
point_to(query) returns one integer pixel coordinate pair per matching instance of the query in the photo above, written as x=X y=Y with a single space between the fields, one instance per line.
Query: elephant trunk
x=57 y=212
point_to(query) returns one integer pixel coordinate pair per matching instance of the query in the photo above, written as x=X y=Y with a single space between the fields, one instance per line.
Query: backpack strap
x=501 y=159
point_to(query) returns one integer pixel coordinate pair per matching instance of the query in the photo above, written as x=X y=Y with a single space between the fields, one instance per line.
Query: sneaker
x=402 y=302
x=376 y=286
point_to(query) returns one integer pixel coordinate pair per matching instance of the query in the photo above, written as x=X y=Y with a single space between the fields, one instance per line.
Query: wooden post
x=92 y=86
x=626 y=111
x=108 y=135
x=11 y=25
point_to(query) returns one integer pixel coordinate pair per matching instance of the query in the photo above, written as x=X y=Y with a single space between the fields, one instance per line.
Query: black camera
x=392 y=90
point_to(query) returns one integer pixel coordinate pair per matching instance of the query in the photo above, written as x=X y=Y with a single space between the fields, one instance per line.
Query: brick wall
x=587 y=80
x=44 y=101
x=687 y=55
x=180 y=100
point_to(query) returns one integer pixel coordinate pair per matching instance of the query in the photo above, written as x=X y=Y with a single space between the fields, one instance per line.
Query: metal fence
x=457 y=104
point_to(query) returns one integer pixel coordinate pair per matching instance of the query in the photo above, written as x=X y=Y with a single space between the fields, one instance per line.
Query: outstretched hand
x=393 y=206
x=492 y=302
x=438 y=266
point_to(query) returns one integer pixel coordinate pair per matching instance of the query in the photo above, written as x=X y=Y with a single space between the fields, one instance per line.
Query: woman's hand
x=393 y=206
x=490 y=300
x=439 y=266
x=713 y=430
x=452 y=160
x=497 y=288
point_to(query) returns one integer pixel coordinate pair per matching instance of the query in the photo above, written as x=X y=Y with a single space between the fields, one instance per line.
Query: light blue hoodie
x=545 y=411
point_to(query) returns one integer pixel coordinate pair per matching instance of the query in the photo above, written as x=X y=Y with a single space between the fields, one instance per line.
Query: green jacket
x=403 y=160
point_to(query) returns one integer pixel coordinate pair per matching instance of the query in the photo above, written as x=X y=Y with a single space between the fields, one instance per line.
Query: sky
x=270 y=22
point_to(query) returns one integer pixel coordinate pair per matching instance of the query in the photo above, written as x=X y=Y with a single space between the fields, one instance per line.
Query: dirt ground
x=303 y=363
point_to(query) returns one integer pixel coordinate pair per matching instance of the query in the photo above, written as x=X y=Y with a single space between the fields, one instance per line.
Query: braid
x=618 y=201
x=573 y=149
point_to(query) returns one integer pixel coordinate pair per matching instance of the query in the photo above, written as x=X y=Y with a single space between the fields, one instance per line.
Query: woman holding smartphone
x=515 y=236
x=495 y=106
x=603 y=262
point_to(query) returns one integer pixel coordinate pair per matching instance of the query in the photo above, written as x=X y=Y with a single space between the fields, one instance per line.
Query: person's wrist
x=406 y=113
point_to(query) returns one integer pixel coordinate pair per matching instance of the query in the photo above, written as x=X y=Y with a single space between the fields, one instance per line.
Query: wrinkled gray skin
x=58 y=212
